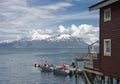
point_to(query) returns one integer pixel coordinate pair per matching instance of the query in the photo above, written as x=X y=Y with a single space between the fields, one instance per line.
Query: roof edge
x=101 y=4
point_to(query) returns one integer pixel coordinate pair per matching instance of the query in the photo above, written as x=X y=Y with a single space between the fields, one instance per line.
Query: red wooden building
x=108 y=61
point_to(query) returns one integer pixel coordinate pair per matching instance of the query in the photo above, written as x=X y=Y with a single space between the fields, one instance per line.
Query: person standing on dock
x=73 y=64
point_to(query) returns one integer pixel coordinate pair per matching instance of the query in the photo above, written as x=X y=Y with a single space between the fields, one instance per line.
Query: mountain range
x=59 y=41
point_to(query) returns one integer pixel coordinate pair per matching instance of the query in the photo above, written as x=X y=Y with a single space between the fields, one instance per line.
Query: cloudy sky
x=22 y=18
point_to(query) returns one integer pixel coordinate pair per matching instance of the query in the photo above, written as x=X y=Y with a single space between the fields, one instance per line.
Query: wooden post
x=76 y=80
x=110 y=80
x=85 y=81
x=76 y=68
x=103 y=78
x=83 y=77
x=99 y=79
x=76 y=64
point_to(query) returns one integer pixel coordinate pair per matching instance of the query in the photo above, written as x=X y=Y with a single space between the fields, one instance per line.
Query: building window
x=107 y=14
x=107 y=47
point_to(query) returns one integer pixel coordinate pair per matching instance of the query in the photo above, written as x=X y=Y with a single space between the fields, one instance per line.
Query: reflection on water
x=58 y=79
x=76 y=80
x=63 y=81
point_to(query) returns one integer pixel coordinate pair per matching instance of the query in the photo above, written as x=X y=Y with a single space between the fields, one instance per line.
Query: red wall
x=110 y=65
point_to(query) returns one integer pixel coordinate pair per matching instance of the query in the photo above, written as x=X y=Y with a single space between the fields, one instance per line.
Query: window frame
x=107 y=47
x=107 y=14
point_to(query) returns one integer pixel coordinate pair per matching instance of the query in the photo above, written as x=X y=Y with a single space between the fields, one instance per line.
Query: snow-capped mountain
x=46 y=41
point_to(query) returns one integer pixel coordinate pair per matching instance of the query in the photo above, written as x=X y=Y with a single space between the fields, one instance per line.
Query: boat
x=47 y=68
x=59 y=71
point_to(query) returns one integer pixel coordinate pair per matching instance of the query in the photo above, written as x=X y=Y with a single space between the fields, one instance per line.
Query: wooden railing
x=88 y=62
x=87 y=59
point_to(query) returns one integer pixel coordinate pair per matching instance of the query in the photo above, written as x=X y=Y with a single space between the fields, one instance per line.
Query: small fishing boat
x=47 y=68
x=59 y=71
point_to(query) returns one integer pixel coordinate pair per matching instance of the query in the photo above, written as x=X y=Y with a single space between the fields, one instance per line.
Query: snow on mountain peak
x=37 y=35
x=40 y=35
x=63 y=36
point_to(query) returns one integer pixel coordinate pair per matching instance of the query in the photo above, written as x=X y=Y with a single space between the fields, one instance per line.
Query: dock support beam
x=99 y=79
x=76 y=69
x=87 y=78
x=103 y=78
x=110 y=80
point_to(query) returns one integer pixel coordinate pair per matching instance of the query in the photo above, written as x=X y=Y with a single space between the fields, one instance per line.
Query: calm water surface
x=17 y=66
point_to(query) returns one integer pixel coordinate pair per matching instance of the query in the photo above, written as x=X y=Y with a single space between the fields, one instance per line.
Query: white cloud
x=8 y=37
x=57 y=6
x=16 y=15
x=75 y=31
x=87 y=32
x=62 y=29
x=41 y=31
x=39 y=35
x=79 y=16
x=49 y=31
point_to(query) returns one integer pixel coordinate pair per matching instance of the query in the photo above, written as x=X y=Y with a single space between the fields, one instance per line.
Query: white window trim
x=107 y=53
x=106 y=10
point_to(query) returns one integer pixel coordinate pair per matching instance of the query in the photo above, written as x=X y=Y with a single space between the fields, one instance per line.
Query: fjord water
x=17 y=65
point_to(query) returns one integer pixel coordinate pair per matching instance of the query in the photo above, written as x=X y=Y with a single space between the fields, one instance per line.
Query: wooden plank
x=93 y=71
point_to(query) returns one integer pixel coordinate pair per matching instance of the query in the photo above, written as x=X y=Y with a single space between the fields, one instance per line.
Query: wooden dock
x=91 y=75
